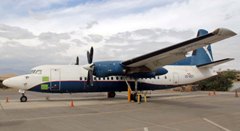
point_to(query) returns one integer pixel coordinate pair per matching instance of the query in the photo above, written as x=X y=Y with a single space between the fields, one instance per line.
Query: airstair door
x=55 y=75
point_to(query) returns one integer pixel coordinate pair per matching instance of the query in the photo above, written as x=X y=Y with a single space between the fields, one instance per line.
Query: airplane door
x=175 y=78
x=55 y=76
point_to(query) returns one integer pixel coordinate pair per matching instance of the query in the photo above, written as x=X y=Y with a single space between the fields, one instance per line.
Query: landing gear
x=111 y=94
x=134 y=97
x=23 y=98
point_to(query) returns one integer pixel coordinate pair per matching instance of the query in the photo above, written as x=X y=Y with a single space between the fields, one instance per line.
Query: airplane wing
x=174 y=53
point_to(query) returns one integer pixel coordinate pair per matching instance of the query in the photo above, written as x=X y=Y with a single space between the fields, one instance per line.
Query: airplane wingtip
x=224 y=32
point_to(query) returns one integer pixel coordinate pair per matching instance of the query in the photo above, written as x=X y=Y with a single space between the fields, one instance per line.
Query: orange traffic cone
x=209 y=93
x=72 y=104
x=6 y=99
x=236 y=93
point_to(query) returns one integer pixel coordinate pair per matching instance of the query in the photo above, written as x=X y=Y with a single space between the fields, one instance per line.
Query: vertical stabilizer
x=202 y=55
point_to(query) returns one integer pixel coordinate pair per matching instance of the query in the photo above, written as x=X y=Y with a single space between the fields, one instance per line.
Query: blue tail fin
x=202 y=55
x=199 y=56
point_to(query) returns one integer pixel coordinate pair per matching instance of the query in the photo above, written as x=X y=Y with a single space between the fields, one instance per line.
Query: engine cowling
x=108 y=68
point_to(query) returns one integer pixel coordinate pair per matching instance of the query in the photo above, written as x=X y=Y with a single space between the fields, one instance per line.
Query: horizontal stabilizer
x=215 y=63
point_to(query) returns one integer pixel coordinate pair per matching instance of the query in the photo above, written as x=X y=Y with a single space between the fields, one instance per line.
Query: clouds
x=50 y=38
x=12 y=32
x=56 y=31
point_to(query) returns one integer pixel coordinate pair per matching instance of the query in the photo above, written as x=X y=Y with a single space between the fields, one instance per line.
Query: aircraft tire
x=111 y=94
x=23 y=99
x=134 y=97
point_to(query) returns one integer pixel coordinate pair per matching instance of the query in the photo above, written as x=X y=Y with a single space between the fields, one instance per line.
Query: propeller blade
x=88 y=58
x=90 y=55
x=90 y=67
x=91 y=52
x=90 y=78
x=77 y=61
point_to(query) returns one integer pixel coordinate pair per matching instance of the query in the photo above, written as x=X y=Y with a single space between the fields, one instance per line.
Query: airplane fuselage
x=72 y=79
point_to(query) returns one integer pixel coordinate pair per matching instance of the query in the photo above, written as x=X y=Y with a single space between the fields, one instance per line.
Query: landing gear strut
x=23 y=98
x=111 y=94
x=136 y=97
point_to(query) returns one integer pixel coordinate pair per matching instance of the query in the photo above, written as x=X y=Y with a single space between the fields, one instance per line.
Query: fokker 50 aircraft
x=162 y=69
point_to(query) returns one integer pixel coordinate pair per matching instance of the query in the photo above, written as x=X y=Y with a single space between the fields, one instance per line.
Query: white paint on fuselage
x=177 y=75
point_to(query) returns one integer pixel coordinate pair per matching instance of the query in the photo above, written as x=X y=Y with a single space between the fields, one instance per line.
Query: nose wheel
x=23 y=98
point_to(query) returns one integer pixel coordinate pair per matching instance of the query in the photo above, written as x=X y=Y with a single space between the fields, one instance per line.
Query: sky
x=43 y=32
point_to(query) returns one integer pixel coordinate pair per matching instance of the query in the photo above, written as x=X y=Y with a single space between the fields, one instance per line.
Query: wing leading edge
x=174 y=53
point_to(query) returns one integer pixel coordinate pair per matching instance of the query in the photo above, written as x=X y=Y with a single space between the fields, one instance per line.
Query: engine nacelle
x=159 y=71
x=115 y=68
x=108 y=68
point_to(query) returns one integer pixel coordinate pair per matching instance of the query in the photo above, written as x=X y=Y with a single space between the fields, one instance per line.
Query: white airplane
x=162 y=69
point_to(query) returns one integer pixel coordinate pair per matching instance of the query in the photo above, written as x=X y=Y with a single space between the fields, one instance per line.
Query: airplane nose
x=14 y=82
x=7 y=83
x=10 y=82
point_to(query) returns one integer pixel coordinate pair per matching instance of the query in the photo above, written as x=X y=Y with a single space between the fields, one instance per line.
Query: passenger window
x=95 y=78
x=116 y=78
x=80 y=78
x=85 y=78
x=111 y=78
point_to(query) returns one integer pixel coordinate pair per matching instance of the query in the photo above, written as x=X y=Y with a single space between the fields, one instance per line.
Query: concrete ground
x=165 y=110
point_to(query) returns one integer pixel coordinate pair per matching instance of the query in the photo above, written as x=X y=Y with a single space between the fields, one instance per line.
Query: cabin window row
x=103 y=78
x=116 y=78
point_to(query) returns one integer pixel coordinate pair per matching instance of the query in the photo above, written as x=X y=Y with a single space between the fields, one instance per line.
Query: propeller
x=90 y=67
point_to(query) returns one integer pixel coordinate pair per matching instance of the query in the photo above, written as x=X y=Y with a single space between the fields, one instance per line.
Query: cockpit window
x=37 y=72
x=33 y=71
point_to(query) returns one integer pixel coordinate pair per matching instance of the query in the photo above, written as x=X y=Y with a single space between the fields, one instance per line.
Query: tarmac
x=163 y=111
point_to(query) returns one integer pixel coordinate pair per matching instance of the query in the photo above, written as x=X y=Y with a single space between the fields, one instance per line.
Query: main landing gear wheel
x=23 y=98
x=134 y=97
x=111 y=94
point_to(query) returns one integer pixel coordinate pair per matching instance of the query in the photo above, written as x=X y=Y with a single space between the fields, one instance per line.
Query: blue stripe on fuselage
x=99 y=86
